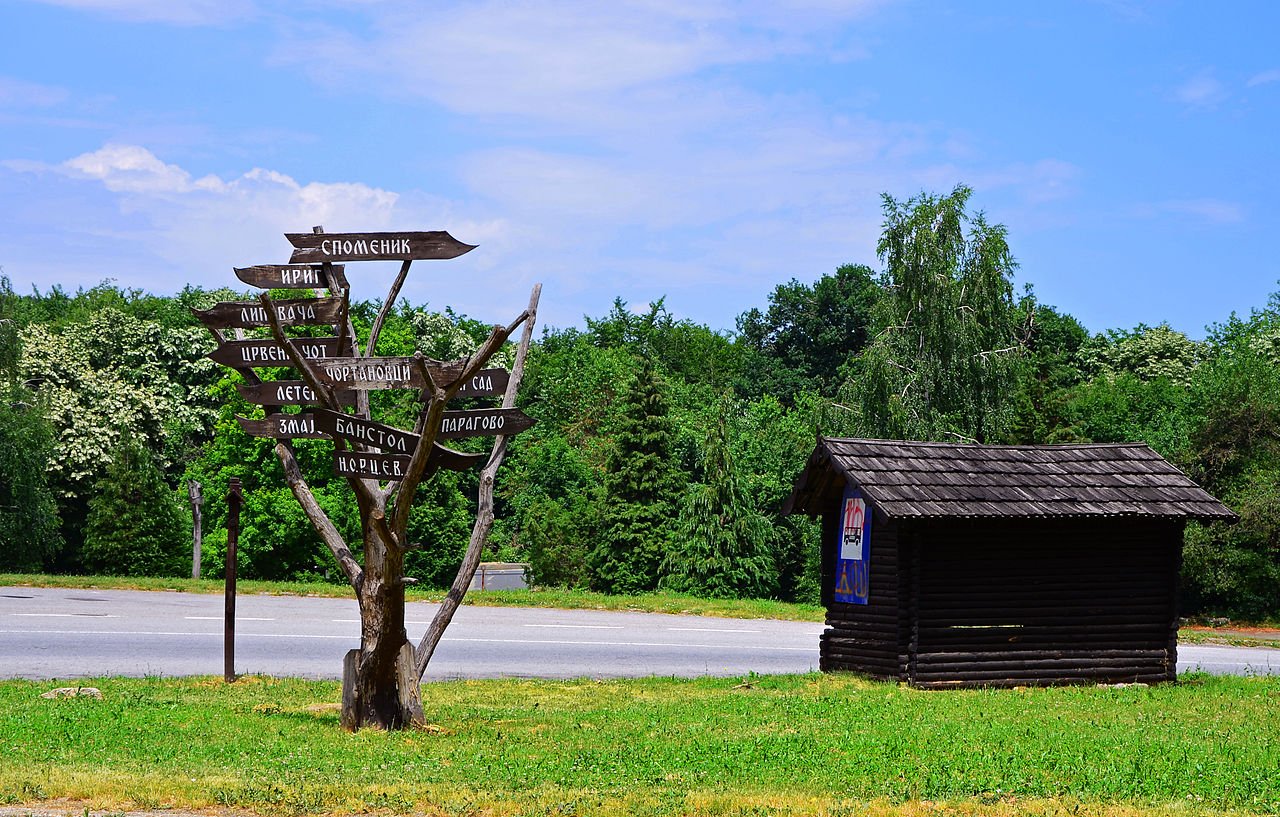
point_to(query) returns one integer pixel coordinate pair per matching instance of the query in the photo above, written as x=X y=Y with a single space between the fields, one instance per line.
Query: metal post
x=229 y=614
x=197 y=535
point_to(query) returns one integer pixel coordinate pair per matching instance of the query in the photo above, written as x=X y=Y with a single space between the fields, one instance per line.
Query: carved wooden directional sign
x=370 y=466
x=486 y=383
x=249 y=353
x=288 y=393
x=366 y=432
x=451 y=460
x=250 y=314
x=312 y=247
x=283 y=426
x=286 y=276
x=385 y=372
x=483 y=423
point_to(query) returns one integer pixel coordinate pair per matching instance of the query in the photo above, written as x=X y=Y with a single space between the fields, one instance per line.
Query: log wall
x=1023 y=602
x=1010 y=602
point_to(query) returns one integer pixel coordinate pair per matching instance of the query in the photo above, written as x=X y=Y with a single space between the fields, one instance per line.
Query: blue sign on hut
x=947 y=565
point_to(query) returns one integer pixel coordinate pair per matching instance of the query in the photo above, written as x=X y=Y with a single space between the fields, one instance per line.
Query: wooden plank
x=350 y=715
x=288 y=393
x=451 y=460
x=386 y=372
x=287 y=276
x=291 y=312
x=1044 y=680
x=483 y=423
x=416 y=246
x=283 y=427
x=486 y=383
x=243 y=354
x=365 y=432
x=1002 y=656
x=409 y=687
x=370 y=466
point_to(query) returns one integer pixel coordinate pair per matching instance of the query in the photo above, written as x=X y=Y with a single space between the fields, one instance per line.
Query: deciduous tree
x=949 y=332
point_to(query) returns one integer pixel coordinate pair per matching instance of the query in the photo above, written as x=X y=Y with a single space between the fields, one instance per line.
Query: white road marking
x=220 y=618
x=708 y=630
x=579 y=626
x=357 y=621
x=633 y=644
x=65 y=615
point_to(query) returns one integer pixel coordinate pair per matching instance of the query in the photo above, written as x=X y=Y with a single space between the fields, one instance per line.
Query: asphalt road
x=53 y=633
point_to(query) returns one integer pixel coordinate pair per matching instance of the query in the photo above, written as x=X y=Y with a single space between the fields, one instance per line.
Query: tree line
x=664 y=449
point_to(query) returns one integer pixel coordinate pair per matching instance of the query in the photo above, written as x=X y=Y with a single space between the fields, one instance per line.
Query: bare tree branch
x=379 y=519
x=426 y=427
x=429 y=421
x=319 y=519
x=484 y=512
x=386 y=307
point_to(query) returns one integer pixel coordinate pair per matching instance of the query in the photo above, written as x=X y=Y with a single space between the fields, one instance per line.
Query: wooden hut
x=972 y=565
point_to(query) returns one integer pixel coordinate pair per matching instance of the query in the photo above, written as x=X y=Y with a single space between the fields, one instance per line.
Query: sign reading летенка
x=288 y=393
x=434 y=244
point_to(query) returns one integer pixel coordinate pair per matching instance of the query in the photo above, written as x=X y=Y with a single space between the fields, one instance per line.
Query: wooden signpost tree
x=383 y=465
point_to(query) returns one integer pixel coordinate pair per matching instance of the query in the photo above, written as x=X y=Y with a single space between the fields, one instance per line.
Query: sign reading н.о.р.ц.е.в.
x=853 y=561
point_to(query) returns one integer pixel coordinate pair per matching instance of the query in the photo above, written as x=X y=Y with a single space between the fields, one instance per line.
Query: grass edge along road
x=801 y=745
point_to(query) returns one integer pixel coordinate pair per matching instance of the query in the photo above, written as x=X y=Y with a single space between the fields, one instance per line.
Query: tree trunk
x=378 y=693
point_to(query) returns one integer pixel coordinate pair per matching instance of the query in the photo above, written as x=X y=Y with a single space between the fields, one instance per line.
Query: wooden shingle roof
x=946 y=480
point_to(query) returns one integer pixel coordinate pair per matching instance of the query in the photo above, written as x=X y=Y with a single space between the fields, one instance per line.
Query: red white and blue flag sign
x=853 y=561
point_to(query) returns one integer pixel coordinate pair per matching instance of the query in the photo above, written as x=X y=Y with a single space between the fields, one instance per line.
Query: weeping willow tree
x=944 y=361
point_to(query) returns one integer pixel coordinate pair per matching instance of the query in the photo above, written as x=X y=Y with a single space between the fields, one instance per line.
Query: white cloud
x=1264 y=78
x=155 y=217
x=175 y=12
x=133 y=169
x=1213 y=211
x=1201 y=91
x=16 y=93
x=568 y=63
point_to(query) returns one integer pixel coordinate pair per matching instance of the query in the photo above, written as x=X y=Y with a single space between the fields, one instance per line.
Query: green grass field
x=801 y=745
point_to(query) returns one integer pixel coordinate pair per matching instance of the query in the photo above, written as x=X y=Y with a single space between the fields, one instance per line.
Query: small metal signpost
x=197 y=536
x=234 y=499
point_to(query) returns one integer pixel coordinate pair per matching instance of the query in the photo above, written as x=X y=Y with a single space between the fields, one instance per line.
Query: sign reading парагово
x=853 y=560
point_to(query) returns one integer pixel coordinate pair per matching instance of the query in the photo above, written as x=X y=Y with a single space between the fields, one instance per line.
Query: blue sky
x=703 y=151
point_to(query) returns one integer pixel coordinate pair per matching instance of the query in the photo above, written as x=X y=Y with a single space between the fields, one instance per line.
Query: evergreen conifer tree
x=723 y=545
x=135 y=525
x=29 y=535
x=641 y=487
